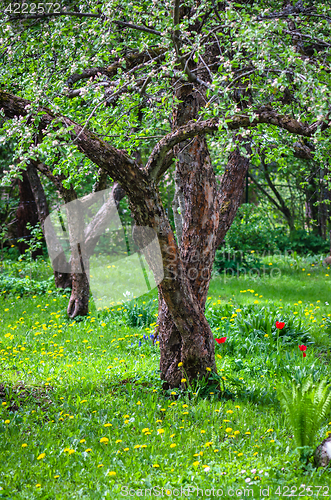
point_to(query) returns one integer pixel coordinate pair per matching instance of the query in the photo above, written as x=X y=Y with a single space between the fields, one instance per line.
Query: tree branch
x=46 y=15
x=265 y=114
x=270 y=198
x=116 y=162
x=232 y=187
x=132 y=61
x=284 y=208
x=121 y=167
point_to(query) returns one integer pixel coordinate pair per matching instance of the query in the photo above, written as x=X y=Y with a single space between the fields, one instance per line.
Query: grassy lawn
x=83 y=413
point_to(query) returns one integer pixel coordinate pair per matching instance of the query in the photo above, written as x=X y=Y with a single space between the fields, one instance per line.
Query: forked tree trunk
x=196 y=193
x=208 y=216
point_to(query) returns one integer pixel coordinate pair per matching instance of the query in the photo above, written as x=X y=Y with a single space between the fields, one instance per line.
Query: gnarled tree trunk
x=196 y=192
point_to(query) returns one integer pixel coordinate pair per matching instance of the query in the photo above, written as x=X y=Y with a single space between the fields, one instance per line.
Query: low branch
x=265 y=114
x=187 y=131
x=290 y=10
x=303 y=35
x=302 y=151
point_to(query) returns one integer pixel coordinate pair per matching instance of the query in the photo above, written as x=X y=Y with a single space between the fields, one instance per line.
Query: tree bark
x=196 y=197
x=232 y=186
x=26 y=213
x=182 y=313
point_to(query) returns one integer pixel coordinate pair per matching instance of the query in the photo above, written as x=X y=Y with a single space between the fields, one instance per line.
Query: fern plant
x=306 y=405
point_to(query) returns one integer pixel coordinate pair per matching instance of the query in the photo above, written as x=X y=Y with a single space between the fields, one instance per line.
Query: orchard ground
x=84 y=415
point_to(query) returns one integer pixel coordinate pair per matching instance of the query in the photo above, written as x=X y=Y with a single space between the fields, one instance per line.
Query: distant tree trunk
x=289 y=216
x=324 y=194
x=279 y=203
x=82 y=243
x=80 y=291
x=312 y=209
x=62 y=279
x=73 y=274
x=26 y=213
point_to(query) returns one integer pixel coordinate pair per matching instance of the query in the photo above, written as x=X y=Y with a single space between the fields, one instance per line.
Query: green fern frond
x=306 y=406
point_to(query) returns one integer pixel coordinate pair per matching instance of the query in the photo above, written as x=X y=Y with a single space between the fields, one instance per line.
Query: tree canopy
x=112 y=67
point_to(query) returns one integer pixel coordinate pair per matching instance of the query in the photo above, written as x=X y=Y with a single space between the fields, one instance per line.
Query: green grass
x=77 y=397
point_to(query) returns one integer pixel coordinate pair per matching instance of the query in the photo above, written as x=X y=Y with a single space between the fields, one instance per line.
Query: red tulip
x=221 y=340
x=280 y=325
x=304 y=354
x=302 y=347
